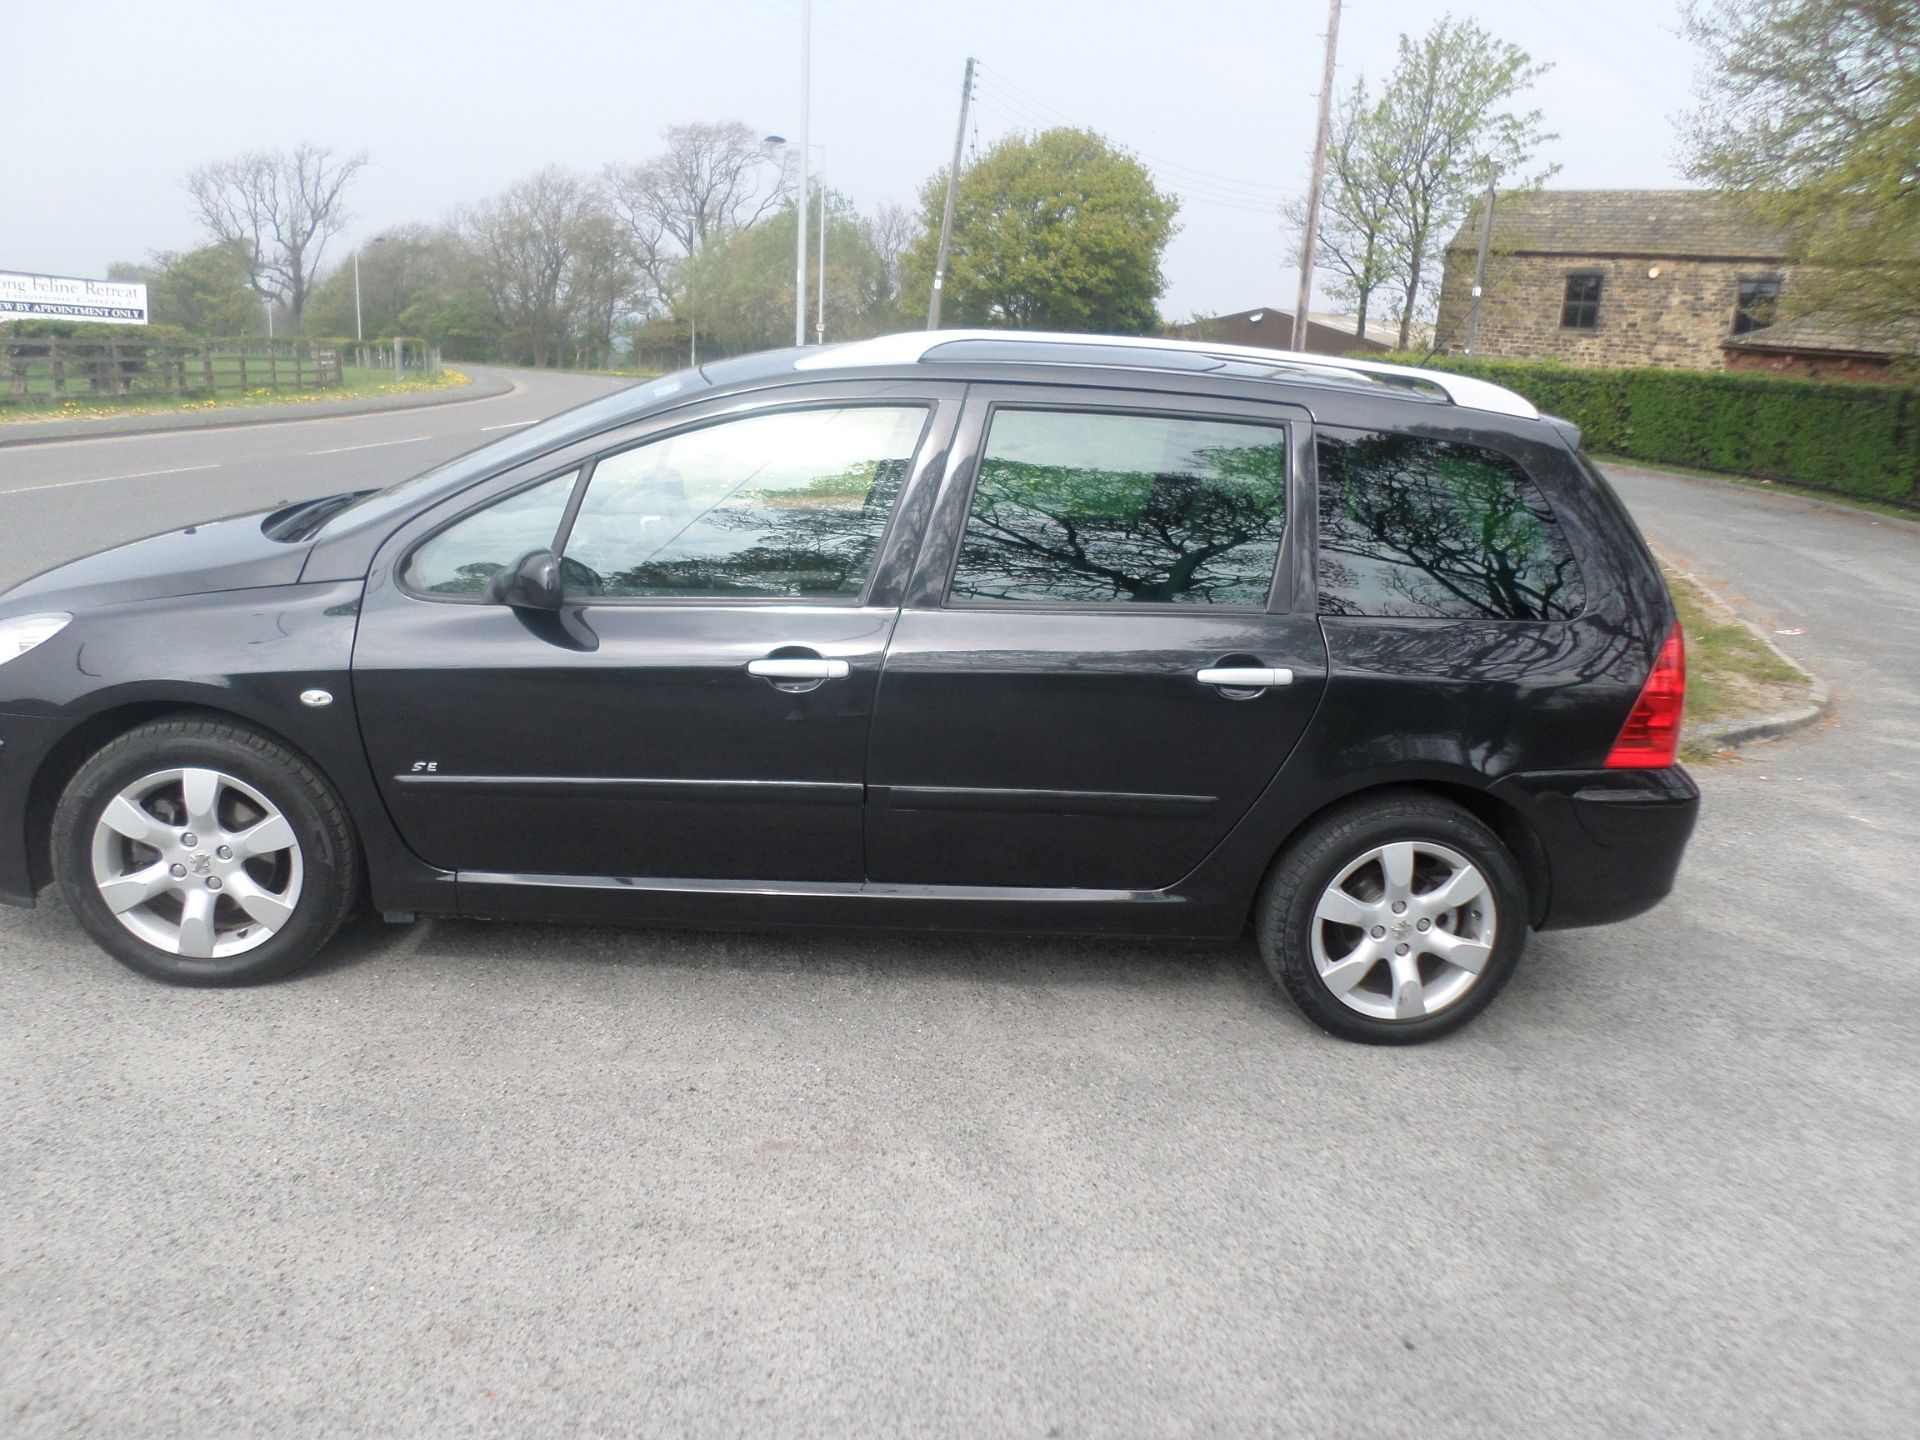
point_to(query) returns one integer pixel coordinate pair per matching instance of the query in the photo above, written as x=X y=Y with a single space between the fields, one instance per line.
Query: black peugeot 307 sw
x=954 y=630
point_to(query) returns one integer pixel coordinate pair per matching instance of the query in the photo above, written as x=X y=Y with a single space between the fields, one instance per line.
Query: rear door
x=1108 y=647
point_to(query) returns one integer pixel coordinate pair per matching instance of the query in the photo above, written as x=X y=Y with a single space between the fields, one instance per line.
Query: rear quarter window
x=1411 y=526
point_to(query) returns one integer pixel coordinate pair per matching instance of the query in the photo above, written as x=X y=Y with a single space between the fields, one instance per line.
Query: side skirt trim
x=820 y=889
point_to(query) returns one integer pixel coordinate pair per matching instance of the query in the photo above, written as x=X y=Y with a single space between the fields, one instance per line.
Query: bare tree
x=713 y=178
x=283 y=207
x=551 y=260
x=891 y=231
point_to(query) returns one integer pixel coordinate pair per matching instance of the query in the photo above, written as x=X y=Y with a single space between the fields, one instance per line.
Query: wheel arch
x=102 y=727
x=1506 y=821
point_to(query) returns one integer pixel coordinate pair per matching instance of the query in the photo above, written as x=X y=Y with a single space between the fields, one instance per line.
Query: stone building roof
x=1655 y=224
x=1824 y=332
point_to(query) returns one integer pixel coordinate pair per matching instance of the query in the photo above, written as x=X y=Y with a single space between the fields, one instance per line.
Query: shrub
x=1852 y=438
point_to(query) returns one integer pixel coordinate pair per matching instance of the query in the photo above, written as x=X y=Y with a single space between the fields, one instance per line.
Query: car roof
x=1132 y=352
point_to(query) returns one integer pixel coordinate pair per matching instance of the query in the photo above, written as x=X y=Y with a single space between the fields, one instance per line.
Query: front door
x=1100 y=664
x=700 y=705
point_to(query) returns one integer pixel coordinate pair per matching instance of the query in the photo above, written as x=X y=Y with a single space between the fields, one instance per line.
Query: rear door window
x=1091 y=507
x=1411 y=526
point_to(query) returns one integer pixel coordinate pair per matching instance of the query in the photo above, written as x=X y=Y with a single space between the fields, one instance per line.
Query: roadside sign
x=65 y=297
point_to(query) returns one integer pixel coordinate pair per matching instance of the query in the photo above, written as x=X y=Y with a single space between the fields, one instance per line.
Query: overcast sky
x=112 y=102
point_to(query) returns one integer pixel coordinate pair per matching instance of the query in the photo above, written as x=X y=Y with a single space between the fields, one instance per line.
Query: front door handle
x=795 y=668
x=1245 y=677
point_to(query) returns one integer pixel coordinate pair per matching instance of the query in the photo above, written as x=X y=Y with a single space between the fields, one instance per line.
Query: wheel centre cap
x=1402 y=928
x=200 y=863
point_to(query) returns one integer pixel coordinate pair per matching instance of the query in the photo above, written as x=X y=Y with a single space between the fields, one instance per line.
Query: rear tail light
x=1650 y=740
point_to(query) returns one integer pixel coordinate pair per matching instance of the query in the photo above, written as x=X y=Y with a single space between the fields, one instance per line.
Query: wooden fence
x=38 y=370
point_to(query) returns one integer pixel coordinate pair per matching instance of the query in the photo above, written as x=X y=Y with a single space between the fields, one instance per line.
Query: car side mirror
x=530 y=583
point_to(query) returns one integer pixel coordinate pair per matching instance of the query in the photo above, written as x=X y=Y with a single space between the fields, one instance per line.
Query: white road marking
x=510 y=425
x=102 y=479
x=372 y=445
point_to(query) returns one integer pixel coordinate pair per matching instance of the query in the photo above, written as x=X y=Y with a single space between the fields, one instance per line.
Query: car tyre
x=201 y=852
x=1393 y=920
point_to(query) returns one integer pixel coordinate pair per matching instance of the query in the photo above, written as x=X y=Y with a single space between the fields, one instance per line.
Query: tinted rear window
x=1075 y=507
x=1418 y=527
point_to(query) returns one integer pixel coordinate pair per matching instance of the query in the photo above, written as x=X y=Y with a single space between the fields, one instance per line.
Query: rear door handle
x=798 y=669
x=1245 y=677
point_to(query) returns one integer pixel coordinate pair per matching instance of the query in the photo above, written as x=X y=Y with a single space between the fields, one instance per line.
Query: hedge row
x=1854 y=438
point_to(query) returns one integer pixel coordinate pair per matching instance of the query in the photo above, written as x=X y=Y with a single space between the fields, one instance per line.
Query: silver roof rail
x=912 y=346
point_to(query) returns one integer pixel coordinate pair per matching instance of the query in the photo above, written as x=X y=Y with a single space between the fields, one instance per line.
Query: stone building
x=1614 y=277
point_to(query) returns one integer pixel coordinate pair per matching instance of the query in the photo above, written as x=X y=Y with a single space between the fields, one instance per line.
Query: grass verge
x=355 y=382
x=1731 y=671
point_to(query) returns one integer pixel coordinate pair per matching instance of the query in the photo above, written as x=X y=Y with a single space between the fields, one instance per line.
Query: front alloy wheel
x=197 y=863
x=198 y=851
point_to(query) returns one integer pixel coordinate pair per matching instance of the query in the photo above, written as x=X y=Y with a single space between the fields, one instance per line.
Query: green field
x=1730 y=671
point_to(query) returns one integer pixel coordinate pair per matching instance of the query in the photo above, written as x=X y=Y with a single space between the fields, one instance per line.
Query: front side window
x=1580 y=310
x=1758 y=306
x=789 y=505
x=1418 y=527
x=462 y=558
x=1080 y=507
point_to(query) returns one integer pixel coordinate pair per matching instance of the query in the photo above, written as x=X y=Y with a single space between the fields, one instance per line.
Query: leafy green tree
x=1811 y=114
x=1056 y=231
x=206 y=292
x=738 y=289
x=1444 y=117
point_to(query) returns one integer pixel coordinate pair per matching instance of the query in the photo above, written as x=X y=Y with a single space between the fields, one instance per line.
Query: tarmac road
x=491 y=1180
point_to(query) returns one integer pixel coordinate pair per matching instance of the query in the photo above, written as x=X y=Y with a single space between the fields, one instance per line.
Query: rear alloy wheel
x=196 y=851
x=1394 y=920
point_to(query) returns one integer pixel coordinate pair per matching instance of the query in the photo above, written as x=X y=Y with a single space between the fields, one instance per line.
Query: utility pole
x=953 y=186
x=1480 y=264
x=800 y=204
x=1310 y=236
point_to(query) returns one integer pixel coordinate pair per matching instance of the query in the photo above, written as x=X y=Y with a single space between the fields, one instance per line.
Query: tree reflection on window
x=1411 y=526
x=1088 y=508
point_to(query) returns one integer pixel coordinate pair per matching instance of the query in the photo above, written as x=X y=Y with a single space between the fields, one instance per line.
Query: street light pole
x=820 y=310
x=359 y=334
x=800 y=205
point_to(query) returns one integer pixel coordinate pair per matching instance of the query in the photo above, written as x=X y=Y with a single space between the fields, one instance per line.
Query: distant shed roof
x=1655 y=224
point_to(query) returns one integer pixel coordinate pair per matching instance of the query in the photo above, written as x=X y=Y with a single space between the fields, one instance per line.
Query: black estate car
x=952 y=630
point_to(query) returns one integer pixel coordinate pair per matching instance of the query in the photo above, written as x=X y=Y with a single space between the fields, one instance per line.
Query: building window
x=1581 y=309
x=1759 y=304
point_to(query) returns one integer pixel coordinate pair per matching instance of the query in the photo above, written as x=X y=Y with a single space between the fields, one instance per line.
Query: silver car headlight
x=22 y=632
